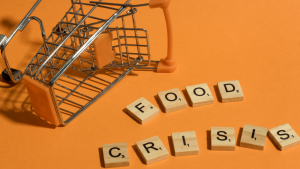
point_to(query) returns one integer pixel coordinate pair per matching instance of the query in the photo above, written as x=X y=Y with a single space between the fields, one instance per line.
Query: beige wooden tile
x=254 y=137
x=200 y=95
x=115 y=155
x=142 y=110
x=222 y=138
x=152 y=150
x=284 y=136
x=231 y=91
x=172 y=100
x=185 y=143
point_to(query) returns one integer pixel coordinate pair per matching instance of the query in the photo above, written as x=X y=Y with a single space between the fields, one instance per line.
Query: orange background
x=256 y=42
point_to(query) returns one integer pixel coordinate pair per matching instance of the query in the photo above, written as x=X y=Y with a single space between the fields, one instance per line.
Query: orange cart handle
x=168 y=64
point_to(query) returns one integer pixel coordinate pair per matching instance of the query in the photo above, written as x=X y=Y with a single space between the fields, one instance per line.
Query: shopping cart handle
x=159 y=3
x=167 y=65
x=9 y=74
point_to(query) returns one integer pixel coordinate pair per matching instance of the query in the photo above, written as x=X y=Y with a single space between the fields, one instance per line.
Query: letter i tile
x=253 y=137
x=185 y=143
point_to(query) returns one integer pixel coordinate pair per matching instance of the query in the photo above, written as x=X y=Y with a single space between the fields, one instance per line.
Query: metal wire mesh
x=82 y=82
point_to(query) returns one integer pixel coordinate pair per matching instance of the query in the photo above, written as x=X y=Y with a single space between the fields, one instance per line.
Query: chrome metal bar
x=132 y=66
x=41 y=26
x=125 y=39
x=51 y=35
x=97 y=6
x=134 y=54
x=91 y=75
x=20 y=27
x=66 y=110
x=85 y=15
x=72 y=35
x=121 y=16
x=58 y=62
x=69 y=101
x=86 y=34
x=49 y=48
x=65 y=39
x=73 y=40
x=98 y=96
x=120 y=47
x=136 y=34
x=61 y=46
x=81 y=81
x=24 y=21
x=89 y=42
x=115 y=4
x=112 y=71
x=129 y=45
x=45 y=66
x=130 y=37
x=75 y=88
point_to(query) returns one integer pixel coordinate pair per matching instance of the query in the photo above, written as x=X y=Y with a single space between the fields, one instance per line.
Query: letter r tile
x=142 y=110
x=152 y=150
x=230 y=91
x=172 y=100
x=115 y=155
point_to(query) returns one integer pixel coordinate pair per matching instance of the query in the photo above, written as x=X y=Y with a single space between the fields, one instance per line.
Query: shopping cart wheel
x=16 y=73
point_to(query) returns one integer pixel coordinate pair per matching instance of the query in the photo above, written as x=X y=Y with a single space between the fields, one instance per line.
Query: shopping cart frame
x=34 y=70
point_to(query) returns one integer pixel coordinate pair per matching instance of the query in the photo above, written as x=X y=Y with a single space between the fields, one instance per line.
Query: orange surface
x=256 y=42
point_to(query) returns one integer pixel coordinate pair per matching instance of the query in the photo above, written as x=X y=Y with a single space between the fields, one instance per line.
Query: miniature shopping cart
x=84 y=56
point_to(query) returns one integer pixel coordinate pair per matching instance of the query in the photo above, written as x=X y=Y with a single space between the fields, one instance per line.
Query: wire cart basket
x=84 y=56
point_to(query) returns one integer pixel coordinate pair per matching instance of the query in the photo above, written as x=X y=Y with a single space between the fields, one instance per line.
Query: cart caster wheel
x=16 y=73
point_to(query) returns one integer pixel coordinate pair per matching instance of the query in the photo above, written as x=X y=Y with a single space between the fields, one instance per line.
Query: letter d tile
x=230 y=91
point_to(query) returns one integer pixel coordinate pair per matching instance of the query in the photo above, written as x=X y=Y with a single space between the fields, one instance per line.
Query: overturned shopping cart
x=84 y=56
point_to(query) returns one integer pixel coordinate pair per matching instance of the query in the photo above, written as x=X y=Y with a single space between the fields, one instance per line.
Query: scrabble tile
x=200 y=95
x=222 y=138
x=231 y=91
x=185 y=143
x=254 y=137
x=284 y=136
x=172 y=100
x=152 y=150
x=115 y=155
x=142 y=110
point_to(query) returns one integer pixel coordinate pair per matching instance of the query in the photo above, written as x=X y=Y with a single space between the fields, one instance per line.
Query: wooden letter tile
x=222 y=138
x=231 y=91
x=152 y=150
x=185 y=143
x=284 y=136
x=254 y=137
x=142 y=110
x=115 y=155
x=200 y=95
x=172 y=100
